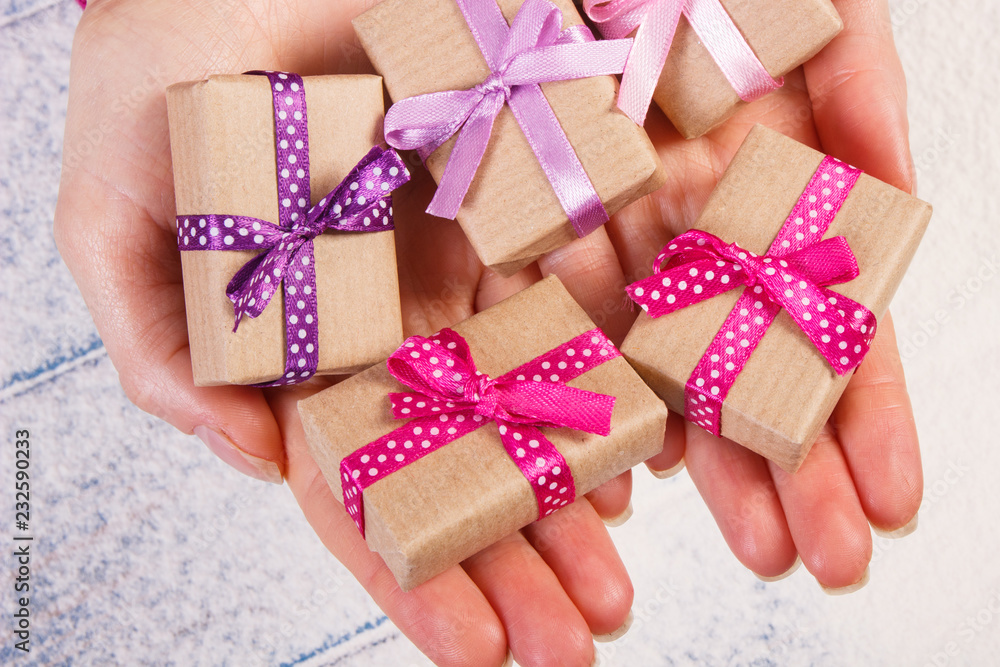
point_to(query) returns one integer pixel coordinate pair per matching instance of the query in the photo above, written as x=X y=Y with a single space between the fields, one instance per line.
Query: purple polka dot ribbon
x=655 y=22
x=451 y=399
x=532 y=50
x=792 y=275
x=360 y=203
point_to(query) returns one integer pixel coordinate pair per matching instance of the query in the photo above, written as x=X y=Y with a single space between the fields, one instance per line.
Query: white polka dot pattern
x=452 y=398
x=793 y=275
x=360 y=203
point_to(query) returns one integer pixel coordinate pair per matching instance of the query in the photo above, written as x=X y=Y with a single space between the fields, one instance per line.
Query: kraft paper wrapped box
x=463 y=497
x=692 y=90
x=510 y=214
x=222 y=141
x=787 y=390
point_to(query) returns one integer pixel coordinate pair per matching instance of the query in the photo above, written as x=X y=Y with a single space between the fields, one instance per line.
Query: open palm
x=544 y=591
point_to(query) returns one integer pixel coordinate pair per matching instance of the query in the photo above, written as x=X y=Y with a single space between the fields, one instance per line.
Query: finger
x=128 y=270
x=589 y=269
x=875 y=426
x=543 y=625
x=670 y=461
x=824 y=515
x=612 y=500
x=739 y=491
x=447 y=618
x=858 y=93
x=439 y=272
x=577 y=548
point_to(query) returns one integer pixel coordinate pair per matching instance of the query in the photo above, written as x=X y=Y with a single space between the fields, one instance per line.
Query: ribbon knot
x=494 y=84
x=532 y=50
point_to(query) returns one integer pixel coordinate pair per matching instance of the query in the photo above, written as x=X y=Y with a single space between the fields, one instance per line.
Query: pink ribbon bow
x=451 y=399
x=792 y=275
x=532 y=50
x=656 y=21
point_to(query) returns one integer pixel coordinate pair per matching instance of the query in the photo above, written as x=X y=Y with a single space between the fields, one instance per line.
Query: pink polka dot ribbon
x=792 y=275
x=450 y=399
x=532 y=50
x=656 y=21
x=360 y=203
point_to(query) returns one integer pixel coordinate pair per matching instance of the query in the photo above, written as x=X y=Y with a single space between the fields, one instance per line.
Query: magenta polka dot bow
x=360 y=203
x=793 y=275
x=451 y=399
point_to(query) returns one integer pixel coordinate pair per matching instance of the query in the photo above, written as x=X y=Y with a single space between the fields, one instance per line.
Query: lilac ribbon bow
x=532 y=50
x=360 y=203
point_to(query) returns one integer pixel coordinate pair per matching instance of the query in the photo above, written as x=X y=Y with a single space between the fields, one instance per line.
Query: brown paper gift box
x=692 y=90
x=222 y=143
x=510 y=214
x=787 y=390
x=468 y=494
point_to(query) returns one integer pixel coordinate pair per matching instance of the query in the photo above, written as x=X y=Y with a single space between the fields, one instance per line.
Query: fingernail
x=616 y=521
x=784 y=575
x=616 y=634
x=223 y=447
x=597 y=659
x=665 y=474
x=509 y=660
x=899 y=532
x=849 y=589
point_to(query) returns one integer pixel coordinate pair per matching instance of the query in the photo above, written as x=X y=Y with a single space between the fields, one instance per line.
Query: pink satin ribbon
x=792 y=275
x=656 y=21
x=532 y=50
x=451 y=399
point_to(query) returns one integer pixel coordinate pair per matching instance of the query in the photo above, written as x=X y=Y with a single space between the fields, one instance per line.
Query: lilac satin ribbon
x=360 y=203
x=793 y=276
x=532 y=50
x=451 y=399
x=656 y=21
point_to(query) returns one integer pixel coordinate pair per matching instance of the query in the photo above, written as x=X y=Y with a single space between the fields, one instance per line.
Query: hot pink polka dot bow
x=451 y=399
x=793 y=276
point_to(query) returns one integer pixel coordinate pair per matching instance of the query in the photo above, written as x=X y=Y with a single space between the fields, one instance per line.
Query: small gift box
x=700 y=67
x=516 y=412
x=262 y=236
x=542 y=155
x=741 y=322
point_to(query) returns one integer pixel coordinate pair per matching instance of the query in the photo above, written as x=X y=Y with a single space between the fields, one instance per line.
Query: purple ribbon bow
x=360 y=203
x=532 y=50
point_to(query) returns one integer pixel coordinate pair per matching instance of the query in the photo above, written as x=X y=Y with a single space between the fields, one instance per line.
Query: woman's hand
x=543 y=592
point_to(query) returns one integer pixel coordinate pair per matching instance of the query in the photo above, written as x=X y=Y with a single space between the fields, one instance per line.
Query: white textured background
x=149 y=550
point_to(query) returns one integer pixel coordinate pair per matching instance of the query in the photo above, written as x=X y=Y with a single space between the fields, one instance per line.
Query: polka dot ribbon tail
x=792 y=275
x=360 y=203
x=450 y=399
x=655 y=22
x=532 y=50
